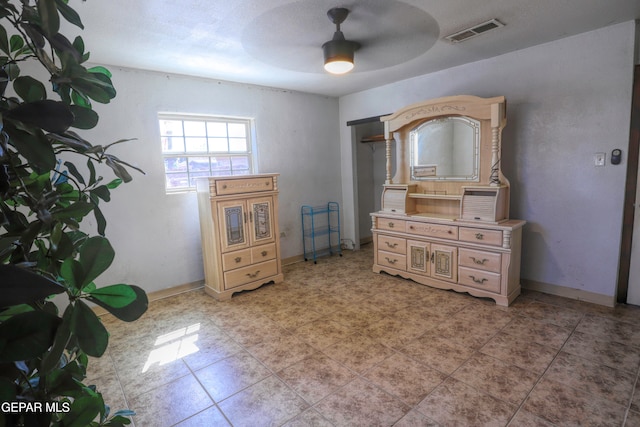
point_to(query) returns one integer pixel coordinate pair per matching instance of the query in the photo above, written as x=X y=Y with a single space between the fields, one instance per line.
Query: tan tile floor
x=337 y=345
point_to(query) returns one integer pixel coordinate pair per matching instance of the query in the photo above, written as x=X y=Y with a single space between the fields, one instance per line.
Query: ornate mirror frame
x=490 y=112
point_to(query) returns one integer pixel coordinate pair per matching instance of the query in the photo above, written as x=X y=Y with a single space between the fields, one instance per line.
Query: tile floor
x=337 y=345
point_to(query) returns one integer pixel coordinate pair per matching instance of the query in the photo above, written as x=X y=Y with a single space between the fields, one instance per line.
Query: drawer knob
x=238 y=259
x=478 y=261
x=254 y=275
x=391 y=245
x=478 y=281
x=263 y=253
x=479 y=236
x=391 y=261
x=411 y=227
x=390 y=225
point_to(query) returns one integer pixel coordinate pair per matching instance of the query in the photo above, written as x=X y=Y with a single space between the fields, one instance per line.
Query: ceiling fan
x=295 y=35
x=339 y=52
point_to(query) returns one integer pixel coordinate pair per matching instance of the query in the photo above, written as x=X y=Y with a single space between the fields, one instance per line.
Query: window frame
x=250 y=152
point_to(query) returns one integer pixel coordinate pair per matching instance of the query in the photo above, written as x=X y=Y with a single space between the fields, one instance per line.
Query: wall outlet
x=599 y=159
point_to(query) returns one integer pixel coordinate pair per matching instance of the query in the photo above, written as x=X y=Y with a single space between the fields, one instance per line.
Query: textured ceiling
x=278 y=43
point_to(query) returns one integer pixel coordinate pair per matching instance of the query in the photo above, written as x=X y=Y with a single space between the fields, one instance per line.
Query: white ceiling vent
x=474 y=31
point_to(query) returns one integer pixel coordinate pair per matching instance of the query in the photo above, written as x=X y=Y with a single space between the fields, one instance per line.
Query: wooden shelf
x=373 y=138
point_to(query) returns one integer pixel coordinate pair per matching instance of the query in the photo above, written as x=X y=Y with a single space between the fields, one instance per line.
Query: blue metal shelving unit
x=320 y=230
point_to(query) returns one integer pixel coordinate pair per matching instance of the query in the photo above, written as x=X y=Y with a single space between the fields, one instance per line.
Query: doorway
x=370 y=159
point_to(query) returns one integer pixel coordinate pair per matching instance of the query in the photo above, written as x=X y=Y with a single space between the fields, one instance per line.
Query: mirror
x=445 y=149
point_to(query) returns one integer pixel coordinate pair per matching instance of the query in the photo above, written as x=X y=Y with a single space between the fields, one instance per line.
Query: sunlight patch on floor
x=173 y=346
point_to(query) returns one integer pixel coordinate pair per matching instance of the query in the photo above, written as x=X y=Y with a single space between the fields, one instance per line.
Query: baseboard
x=562 y=291
x=161 y=294
x=366 y=240
x=292 y=260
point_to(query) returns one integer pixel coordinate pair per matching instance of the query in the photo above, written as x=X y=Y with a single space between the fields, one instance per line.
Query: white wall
x=566 y=100
x=156 y=236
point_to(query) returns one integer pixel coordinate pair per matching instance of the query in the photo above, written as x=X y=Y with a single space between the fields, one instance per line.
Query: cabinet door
x=233 y=225
x=444 y=260
x=418 y=254
x=261 y=220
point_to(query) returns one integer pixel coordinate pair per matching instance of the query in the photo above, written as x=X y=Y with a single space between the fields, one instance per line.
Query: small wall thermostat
x=616 y=156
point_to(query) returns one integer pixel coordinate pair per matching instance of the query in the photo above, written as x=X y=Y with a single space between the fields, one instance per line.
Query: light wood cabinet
x=444 y=220
x=456 y=257
x=239 y=230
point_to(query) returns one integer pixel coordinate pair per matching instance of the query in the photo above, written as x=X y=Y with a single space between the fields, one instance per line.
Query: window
x=193 y=147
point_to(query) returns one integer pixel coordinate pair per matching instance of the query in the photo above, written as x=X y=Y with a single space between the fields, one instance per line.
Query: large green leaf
x=100 y=69
x=69 y=14
x=102 y=191
x=7 y=313
x=72 y=273
x=116 y=296
x=27 y=335
x=4 y=81
x=114 y=184
x=35 y=148
x=53 y=356
x=120 y=171
x=84 y=118
x=52 y=116
x=4 y=40
x=49 y=18
x=33 y=31
x=84 y=410
x=96 y=255
x=63 y=249
x=73 y=170
x=77 y=210
x=16 y=42
x=101 y=221
x=88 y=329
x=29 y=89
x=71 y=140
x=65 y=49
x=22 y=286
x=130 y=312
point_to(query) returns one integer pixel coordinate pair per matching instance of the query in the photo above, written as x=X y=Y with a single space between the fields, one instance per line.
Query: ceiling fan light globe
x=338 y=56
x=338 y=66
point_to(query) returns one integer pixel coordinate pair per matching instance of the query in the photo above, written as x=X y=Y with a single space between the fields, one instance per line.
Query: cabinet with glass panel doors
x=239 y=230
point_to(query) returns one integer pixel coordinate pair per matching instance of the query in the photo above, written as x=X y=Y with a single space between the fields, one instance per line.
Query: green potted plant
x=50 y=180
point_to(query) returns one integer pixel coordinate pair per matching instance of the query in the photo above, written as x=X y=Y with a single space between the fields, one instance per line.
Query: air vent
x=468 y=33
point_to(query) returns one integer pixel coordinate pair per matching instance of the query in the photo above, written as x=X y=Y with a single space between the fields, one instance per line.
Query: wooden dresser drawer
x=481 y=235
x=254 y=272
x=391 y=224
x=433 y=230
x=479 y=279
x=263 y=253
x=243 y=185
x=392 y=244
x=482 y=260
x=236 y=259
x=390 y=259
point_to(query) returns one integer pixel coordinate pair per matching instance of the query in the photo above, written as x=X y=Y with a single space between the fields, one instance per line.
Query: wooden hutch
x=445 y=213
